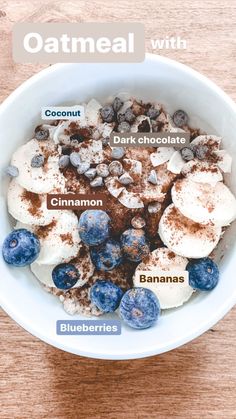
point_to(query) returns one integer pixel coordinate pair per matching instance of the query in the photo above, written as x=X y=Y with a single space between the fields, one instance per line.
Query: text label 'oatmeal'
x=150 y=139
x=76 y=201
x=78 y=42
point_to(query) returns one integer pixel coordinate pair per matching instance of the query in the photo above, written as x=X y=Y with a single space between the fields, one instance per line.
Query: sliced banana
x=60 y=240
x=83 y=263
x=169 y=294
x=28 y=207
x=212 y=141
x=225 y=161
x=185 y=237
x=204 y=203
x=202 y=172
x=38 y=179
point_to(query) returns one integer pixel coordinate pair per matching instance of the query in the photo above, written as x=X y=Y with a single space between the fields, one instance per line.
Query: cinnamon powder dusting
x=42 y=231
x=67 y=238
x=34 y=202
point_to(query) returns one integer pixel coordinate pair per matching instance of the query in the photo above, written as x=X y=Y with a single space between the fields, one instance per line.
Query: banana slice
x=225 y=161
x=212 y=141
x=38 y=179
x=204 y=203
x=60 y=241
x=29 y=207
x=202 y=172
x=83 y=263
x=169 y=294
x=185 y=237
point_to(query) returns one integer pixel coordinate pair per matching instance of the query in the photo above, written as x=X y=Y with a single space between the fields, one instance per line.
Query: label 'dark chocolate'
x=150 y=139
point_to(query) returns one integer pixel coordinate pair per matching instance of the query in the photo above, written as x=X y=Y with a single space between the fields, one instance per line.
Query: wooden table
x=197 y=380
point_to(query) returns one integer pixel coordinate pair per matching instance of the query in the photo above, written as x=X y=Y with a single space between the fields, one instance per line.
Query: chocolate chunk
x=123 y=127
x=117 y=103
x=79 y=138
x=187 y=154
x=107 y=113
x=180 y=118
x=37 y=160
x=41 y=134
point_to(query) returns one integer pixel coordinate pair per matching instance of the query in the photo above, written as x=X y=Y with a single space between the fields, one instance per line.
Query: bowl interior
x=156 y=79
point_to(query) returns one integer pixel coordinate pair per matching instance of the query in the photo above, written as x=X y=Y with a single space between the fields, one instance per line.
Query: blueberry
x=117 y=103
x=105 y=295
x=107 y=256
x=153 y=113
x=37 y=160
x=203 y=274
x=134 y=244
x=187 y=154
x=41 y=134
x=79 y=138
x=107 y=113
x=12 y=171
x=139 y=308
x=180 y=118
x=94 y=227
x=65 y=276
x=20 y=248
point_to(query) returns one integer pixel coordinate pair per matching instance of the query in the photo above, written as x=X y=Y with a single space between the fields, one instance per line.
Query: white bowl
x=157 y=78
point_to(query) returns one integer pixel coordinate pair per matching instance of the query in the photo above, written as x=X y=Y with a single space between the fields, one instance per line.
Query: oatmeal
x=166 y=209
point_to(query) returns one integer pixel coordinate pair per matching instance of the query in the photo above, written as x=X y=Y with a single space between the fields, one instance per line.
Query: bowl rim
x=213 y=319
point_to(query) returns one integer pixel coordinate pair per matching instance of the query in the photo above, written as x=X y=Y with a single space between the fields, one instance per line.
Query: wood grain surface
x=197 y=380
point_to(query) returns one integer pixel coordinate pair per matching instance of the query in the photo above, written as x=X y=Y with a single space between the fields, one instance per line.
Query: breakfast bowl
x=174 y=85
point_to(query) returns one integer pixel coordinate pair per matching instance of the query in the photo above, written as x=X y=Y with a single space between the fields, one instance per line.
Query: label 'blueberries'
x=94 y=227
x=139 y=308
